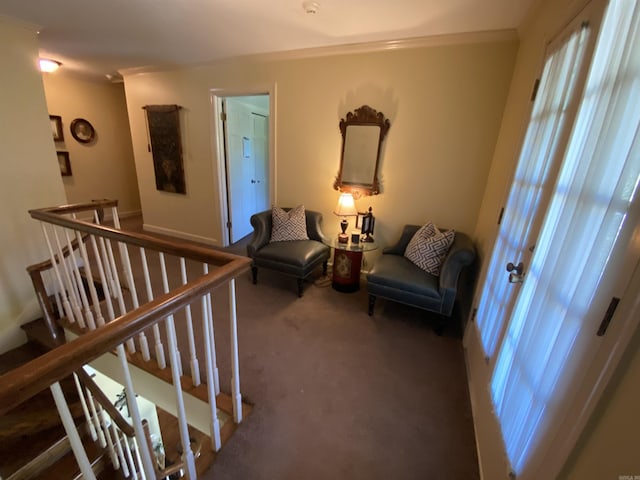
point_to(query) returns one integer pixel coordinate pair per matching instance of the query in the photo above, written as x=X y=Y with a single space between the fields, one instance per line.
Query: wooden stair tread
x=18 y=356
x=38 y=335
x=67 y=467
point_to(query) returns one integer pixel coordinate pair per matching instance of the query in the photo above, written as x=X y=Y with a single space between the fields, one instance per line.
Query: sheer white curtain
x=539 y=153
x=586 y=227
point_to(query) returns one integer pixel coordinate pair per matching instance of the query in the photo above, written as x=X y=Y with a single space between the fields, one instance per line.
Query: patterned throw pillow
x=291 y=225
x=428 y=247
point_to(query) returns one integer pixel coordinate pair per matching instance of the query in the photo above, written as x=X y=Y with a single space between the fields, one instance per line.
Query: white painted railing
x=88 y=258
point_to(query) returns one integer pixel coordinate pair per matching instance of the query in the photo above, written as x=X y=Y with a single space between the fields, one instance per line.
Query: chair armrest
x=461 y=254
x=314 y=227
x=401 y=245
x=261 y=223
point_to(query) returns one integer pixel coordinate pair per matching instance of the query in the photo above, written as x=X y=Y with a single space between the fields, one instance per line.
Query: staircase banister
x=82 y=207
x=24 y=382
x=107 y=404
x=192 y=252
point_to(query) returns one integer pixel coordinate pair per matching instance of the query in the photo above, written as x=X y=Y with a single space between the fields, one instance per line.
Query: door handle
x=516 y=272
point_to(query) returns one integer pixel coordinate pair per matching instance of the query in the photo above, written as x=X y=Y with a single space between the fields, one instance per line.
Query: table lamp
x=346 y=207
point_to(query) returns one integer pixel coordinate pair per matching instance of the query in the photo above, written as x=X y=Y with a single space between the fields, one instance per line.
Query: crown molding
x=491 y=36
x=387 y=45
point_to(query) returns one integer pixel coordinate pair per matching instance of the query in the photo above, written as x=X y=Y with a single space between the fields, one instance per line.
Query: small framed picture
x=82 y=130
x=355 y=237
x=64 y=164
x=56 y=127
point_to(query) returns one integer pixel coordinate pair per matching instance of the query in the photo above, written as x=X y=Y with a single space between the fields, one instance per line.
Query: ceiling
x=104 y=37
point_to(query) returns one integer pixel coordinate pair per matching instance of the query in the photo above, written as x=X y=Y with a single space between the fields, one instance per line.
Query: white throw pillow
x=428 y=247
x=291 y=225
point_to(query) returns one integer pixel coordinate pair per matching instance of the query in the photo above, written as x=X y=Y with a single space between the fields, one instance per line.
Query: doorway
x=244 y=137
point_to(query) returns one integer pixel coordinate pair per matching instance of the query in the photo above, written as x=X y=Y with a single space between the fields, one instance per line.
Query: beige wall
x=444 y=102
x=608 y=447
x=601 y=452
x=104 y=168
x=30 y=176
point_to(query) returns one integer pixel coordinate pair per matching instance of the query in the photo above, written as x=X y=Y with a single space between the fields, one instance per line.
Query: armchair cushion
x=428 y=247
x=288 y=226
x=298 y=258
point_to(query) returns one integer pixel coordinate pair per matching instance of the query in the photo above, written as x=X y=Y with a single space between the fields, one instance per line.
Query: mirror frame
x=363 y=116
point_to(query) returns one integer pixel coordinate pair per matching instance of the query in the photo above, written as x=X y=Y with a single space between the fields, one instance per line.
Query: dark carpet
x=338 y=394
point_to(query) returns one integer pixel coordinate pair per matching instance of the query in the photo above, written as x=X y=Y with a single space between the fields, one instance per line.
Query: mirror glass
x=362 y=133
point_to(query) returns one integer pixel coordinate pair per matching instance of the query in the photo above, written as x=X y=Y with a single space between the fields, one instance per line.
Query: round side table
x=347 y=263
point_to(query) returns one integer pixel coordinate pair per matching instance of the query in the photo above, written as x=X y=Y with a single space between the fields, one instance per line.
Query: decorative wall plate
x=82 y=130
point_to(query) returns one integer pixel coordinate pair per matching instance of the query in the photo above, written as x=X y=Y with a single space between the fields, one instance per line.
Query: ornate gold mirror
x=362 y=131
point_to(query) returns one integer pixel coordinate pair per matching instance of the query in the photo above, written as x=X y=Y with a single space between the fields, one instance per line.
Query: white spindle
x=99 y=319
x=127 y=450
x=131 y=283
x=123 y=461
x=208 y=349
x=65 y=300
x=212 y=338
x=118 y=295
x=165 y=286
x=85 y=410
x=103 y=279
x=138 y=459
x=72 y=432
x=134 y=413
x=187 y=457
x=105 y=259
x=96 y=420
x=70 y=283
x=235 y=367
x=195 y=366
x=105 y=421
x=88 y=314
x=159 y=348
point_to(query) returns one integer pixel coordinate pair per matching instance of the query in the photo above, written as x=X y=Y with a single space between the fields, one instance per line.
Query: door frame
x=581 y=403
x=218 y=146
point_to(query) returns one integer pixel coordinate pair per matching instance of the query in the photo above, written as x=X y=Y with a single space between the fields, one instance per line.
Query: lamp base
x=343 y=238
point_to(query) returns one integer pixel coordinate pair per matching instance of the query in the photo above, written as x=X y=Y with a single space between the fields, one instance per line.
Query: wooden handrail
x=113 y=412
x=78 y=207
x=24 y=382
x=202 y=254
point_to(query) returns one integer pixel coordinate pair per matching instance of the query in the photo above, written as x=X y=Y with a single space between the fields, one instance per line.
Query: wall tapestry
x=163 y=122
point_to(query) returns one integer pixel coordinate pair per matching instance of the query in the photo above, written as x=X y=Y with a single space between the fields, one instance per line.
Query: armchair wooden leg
x=372 y=302
x=300 y=285
x=254 y=274
x=324 y=268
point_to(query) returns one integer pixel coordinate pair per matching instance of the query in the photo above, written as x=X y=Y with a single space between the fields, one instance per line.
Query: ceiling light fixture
x=49 y=66
x=310 y=7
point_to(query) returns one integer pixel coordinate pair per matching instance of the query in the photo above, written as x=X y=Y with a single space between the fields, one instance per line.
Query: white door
x=555 y=104
x=261 y=157
x=247 y=147
x=583 y=256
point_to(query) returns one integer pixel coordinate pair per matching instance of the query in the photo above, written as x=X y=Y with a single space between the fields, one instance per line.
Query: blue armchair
x=396 y=278
x=297 y=258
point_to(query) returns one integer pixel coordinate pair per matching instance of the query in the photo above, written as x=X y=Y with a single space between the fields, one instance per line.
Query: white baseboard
x=178 y=234
x=132 y=213
x=88 y=217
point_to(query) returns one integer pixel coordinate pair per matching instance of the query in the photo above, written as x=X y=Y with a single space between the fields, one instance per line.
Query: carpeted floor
x=341 y=395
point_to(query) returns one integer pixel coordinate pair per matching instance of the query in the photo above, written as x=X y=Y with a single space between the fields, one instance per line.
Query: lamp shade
x=346 y=206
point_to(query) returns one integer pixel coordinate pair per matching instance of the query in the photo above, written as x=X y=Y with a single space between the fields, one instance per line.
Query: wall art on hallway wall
x=163 y=123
